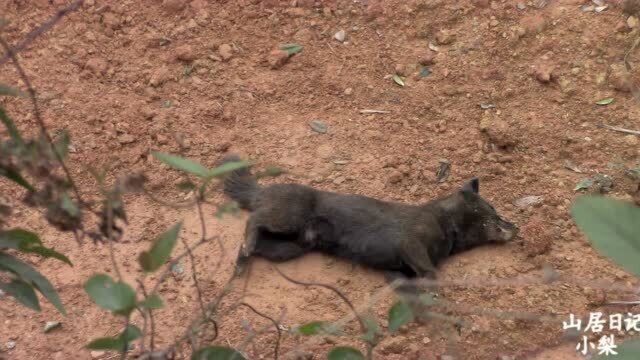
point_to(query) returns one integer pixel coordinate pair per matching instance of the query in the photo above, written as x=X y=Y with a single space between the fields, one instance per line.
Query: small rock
x=445 y=37
x=620 y=79
x=427 y=58
x=111 y=21
x=95 y=354
x=222 y=147
x=318 y=126
x=50 y=325
x=521 y=6
x=160 y=76
x=401 y=70
x=97 y=66
x=426 y=340
x=174 y=6
x=631 y=140
x=225 y=51
x=395 y=176
x=482 y=3
x=348 y=91
x=499 y=132
x=543 y=72
x=126 y=139
x=11 y=345
x=277 y=58
x=339 y=180
x=394 y=345
x=527 y=201
x=533 y=24
x=340 y=35
x=184 y=53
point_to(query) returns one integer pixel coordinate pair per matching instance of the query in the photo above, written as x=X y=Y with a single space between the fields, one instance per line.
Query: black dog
x=290 y=220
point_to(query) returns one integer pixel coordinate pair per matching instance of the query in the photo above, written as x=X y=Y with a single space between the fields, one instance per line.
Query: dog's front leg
x=248 y=246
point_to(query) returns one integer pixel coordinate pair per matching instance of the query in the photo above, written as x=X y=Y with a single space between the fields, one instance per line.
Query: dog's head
x=476 y=221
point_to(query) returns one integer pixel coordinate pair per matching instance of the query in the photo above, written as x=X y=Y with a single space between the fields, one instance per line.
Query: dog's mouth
x=506 y=231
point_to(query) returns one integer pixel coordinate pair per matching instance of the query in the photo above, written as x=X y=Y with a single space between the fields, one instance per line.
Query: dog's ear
x=471 y=186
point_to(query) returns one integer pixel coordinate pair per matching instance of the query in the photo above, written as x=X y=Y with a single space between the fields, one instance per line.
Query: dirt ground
x=502 y=90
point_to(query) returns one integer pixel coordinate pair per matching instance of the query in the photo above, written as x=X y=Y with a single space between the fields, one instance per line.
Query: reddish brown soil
x=94 y=73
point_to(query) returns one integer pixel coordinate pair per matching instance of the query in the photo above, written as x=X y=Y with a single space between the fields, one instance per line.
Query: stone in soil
x=277 y=58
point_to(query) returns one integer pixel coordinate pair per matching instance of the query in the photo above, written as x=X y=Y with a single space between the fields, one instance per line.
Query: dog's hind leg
x=278 y=250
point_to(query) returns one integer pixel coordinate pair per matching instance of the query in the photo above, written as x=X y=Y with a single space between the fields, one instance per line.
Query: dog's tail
x=240 y=185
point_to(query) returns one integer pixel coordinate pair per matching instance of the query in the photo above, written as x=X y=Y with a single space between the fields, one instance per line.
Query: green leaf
x=186 y=185
x=15 y=176
x=106 y=343
x=291 y=49
x=23 y=292
x=31 y=276
x=398 y=79
x=180 y=163
x=117 y=297
x=583 y=184
x=28 y=242
x=344 y=353
x=130 y=333
x=399 y=314
x=11 y=128
x=318 y=327
x=120 y=343
x=372 y=328
x=11 y=91
x=61 y=145
x=217 y=353
x=160 y=250
x=152 y=301
x=628 y=350
x=605 y=101
x=227 y=167
x=612 y=227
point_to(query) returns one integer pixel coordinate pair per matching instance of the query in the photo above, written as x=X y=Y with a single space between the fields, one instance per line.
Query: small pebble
x=11 y=345
x=318 y=126
x=50 y=325
x=340 y=35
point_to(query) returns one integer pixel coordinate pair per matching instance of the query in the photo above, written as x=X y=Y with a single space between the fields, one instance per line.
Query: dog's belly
x=373 y=249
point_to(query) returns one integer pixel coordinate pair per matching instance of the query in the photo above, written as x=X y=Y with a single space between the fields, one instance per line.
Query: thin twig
x=44 y=27
x=176 y=206
x=622 y=130
x=373 y=111
x=275 y=324
x=110 y=239
x=363 y=326
x=148 y=312
x=621 y=302
x=36 y=112
x=173 y=262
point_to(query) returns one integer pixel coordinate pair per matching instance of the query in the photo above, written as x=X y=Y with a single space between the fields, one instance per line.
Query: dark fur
x=289 y=220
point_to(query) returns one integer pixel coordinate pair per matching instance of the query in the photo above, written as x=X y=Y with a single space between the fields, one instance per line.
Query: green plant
x=612 y=226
